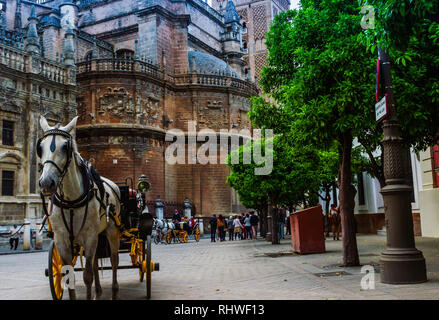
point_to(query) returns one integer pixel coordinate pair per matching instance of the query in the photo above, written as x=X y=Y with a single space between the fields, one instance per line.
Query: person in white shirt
x=237 y=227
x=14 y=237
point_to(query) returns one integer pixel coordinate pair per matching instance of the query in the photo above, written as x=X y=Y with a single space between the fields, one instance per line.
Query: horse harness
x=89 y=175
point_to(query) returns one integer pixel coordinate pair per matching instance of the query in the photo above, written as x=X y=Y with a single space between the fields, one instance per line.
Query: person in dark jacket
x=230 y=227
x=213 y=224
x=254 y=222
x=176 y=217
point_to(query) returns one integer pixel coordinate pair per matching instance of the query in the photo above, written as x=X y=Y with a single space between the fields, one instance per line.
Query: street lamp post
x=401 y=262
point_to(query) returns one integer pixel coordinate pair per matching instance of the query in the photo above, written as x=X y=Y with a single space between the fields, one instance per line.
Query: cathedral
x=132 y=70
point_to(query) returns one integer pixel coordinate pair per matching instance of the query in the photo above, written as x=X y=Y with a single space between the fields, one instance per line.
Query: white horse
x=78 y=209
x=163 y=226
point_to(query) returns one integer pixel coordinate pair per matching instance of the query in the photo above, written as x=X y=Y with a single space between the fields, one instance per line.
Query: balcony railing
x=135 y=65
x=13 y=58
x=216 y=80
x=53 y=71
x=115 y=64
x=22 y=61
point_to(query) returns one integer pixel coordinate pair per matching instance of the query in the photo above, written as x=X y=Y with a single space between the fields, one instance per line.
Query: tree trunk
x=275 y=226
x=262 y=221
x=347 y=204
x=325 y=219
x=327 y=199
x=377 y=169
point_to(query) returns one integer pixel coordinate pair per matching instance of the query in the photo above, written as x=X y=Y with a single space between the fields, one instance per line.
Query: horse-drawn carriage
x=89 y=216
x=135 y=239
x=182 y=231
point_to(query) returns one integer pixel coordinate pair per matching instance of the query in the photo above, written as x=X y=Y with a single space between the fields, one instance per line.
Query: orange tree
x=322 y=81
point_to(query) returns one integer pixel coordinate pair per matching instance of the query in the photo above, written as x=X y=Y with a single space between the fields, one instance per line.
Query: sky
x=294 y=3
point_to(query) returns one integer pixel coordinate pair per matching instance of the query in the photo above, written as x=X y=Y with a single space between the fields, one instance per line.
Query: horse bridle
x=54 y=133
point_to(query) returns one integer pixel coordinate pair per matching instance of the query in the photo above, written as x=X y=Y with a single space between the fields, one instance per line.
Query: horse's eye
x=64 y=147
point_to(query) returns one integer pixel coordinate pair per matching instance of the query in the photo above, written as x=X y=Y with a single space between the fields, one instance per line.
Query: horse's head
x=55 y=149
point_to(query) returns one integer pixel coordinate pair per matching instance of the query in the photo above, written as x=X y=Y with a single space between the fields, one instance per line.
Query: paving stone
x=232 y=270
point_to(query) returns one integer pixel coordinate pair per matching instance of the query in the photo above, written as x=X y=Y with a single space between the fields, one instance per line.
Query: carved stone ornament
x=117 y=102
x=214 y=104
x=148 y=111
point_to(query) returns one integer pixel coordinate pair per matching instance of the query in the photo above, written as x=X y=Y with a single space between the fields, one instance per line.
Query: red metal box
x=307 y=233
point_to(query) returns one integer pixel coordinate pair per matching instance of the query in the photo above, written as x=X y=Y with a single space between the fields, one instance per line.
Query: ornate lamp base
x=402 y=266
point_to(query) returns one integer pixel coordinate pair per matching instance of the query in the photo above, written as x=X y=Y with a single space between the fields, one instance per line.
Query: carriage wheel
x=185 y=237
x=197 y=234
x=54 y=273
x=148 y=267
x=169 y=237
x=141 y=273
x=181 y=236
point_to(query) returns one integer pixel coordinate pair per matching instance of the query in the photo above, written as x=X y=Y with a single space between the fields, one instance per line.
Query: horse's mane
x=78 y=158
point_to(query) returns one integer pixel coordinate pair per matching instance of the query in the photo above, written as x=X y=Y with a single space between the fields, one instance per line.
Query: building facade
x=429 y=193
x=132 y=70
x=30 y=84
x=256 y=16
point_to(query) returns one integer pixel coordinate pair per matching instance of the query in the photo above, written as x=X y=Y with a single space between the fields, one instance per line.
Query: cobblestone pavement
x=234 y=270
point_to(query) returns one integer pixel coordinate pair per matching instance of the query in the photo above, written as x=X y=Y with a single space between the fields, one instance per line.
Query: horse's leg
x=66 y=257
x=113 y=239
x=98 y=288
x=90 y=252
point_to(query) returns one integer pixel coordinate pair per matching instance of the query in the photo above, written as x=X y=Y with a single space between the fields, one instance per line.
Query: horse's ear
x=71 y=126
x=43 y=123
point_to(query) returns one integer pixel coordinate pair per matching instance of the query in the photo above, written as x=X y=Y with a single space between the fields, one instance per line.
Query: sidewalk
x=226 y=270
x=5 y=248
x=331 y=281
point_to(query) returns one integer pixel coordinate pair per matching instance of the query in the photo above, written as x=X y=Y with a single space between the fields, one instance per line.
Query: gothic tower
x=255 y=16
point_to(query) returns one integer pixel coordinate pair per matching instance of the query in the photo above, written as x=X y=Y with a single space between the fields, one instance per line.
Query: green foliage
x=293 y=176
x=320 y=76
x=409 y=31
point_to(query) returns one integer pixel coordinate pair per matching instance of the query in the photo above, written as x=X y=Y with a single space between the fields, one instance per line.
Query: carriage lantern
x=145 y=221
x=143 y=186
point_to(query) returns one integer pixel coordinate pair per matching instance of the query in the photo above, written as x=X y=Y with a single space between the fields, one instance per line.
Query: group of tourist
x=240 y=227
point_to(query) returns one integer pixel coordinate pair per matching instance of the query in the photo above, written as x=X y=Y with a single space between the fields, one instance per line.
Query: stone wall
x=29 y=86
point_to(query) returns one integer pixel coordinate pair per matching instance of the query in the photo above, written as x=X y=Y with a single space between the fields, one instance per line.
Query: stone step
x=382 y=232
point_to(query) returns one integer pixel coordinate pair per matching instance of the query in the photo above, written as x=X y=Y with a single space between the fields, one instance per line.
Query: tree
x=322 y=80
x=293 y=178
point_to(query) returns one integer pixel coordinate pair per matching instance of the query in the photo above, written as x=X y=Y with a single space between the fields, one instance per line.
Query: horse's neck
x=73 y=183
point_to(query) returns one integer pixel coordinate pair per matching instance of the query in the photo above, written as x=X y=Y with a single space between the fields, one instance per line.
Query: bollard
x=201 y=226
x=187 y=207
x=38 y=236
x=159 y=208
x=26 y=235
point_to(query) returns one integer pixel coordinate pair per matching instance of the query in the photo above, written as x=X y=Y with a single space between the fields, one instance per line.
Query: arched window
x=124 y=54
x=88 y=56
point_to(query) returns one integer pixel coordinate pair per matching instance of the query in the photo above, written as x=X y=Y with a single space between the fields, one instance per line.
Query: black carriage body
x=128 y=208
